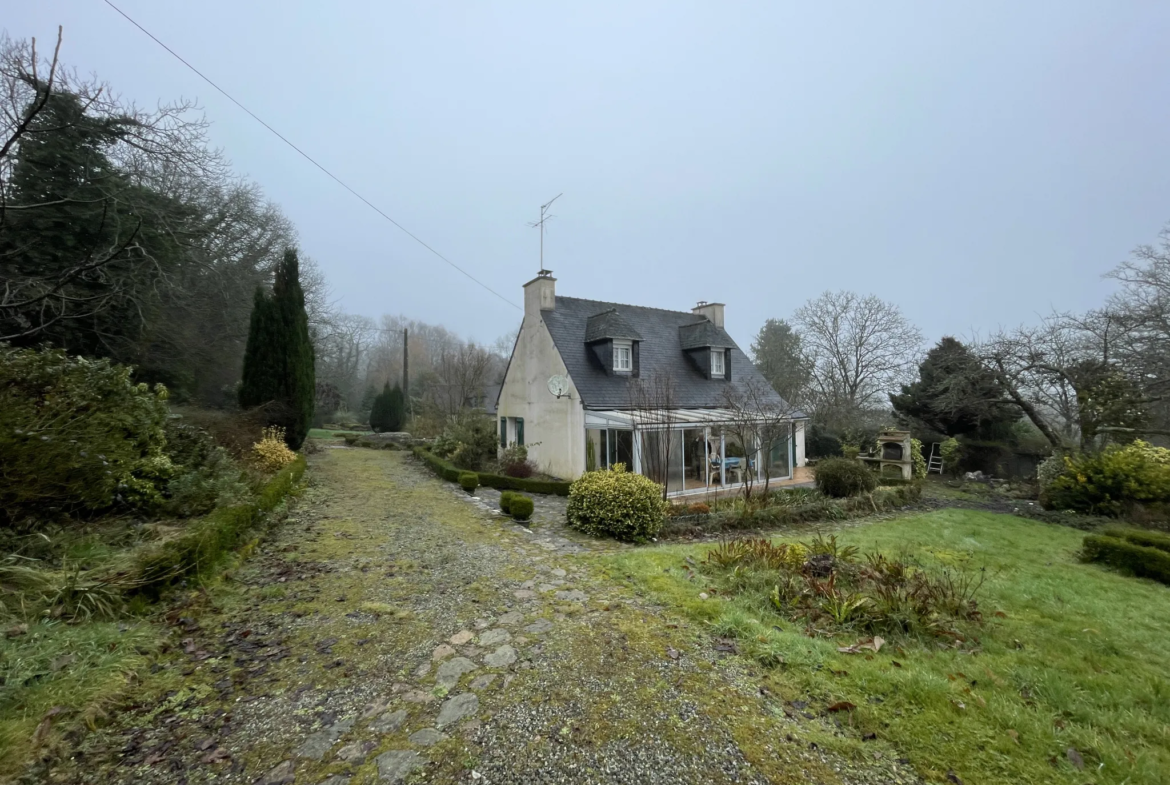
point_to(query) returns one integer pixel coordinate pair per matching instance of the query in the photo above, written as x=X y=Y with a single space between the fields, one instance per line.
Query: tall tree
x=779 y=354
x=278 y=361
x=859 y=349
x=955 y=394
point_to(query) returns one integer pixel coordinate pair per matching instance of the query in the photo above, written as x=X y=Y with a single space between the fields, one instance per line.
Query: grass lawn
x=326 y=433
x=1070 y=667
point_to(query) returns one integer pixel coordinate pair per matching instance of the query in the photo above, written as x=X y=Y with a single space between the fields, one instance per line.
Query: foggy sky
x=976 y=165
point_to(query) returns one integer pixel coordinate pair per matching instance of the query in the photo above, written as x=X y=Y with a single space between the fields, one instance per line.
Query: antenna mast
x=540 y=225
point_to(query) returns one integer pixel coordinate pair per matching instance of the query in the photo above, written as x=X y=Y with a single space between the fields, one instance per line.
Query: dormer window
x=718 y=367
x=623 y=360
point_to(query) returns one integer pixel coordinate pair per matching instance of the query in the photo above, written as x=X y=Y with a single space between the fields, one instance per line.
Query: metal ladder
x=935 y=464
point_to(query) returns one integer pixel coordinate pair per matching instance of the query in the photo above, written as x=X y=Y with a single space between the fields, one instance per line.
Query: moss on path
x=391 y=630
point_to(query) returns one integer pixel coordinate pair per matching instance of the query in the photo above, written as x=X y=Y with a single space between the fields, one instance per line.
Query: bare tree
x=858 y=348
x=759 y=419
x=653 y=403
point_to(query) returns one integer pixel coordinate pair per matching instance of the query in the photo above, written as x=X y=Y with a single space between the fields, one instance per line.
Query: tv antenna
x=544 y=217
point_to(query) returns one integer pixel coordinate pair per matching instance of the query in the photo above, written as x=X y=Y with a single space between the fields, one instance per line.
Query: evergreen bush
x=1142 y=561
x=278 y=360
x=1113 y=481
x=506 y=502
x=842 y=477
x=469 y=481
x=77 y=435
x=618 y=504
x=521 y=508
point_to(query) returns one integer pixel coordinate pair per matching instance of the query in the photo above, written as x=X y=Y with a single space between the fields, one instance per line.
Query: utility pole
x=406 y=370
x=540 y=224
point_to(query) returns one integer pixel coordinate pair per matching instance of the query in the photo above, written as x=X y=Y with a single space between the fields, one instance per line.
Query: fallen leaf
x=216 y=755
x=952 y=777
x=1015 y=736
x=45 y=725
x=17 y=631
x=672 y=653
x=1075 y=758
x=895 y=663
x=841 y=706
x=1001 y=614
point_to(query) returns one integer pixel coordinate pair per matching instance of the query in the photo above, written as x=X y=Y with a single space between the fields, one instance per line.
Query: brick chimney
x=713 y=311
x=540 y=294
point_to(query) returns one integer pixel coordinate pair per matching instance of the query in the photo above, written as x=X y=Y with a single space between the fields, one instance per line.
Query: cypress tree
x=380 y=413
x=278 y=360
x=397 y=409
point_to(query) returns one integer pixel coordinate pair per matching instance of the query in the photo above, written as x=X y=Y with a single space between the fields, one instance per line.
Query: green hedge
x=1148 y=539
x=205 y=542
x=469 y=481
x=521 y=507
x=506 y=502
x=1123 y=554
x=449 y=472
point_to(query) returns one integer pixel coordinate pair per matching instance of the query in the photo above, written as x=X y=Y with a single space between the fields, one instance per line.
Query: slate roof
x=661 y=349
x=608 y=325
x=704 y=333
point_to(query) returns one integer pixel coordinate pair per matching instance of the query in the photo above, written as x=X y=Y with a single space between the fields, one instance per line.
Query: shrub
x=841 y=477
x=506 y=502
x=77 y=435
x=1140 y=560
x=449 y=472
x=950 y=451
x=469 y=441
x=1148 y=539
x=699 y=508
x=271 y=453
x=469 y=481
x=618 y=504
x=918 y=462
x=1113 y=481
x=521 y=508
x=850 y=451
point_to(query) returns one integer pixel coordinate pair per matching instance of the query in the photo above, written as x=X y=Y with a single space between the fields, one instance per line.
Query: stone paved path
x=394 y=629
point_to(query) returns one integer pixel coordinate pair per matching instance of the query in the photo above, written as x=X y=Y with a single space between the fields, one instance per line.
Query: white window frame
x=623 y=349
x=718 y=363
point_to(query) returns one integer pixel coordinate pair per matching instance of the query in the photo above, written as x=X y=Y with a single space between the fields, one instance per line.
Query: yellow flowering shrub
x=1113 y=481
x=271 y=453
x=618 y=504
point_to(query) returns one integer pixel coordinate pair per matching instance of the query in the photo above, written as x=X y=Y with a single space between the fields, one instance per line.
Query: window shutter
x=634 y=359
x=520 y=431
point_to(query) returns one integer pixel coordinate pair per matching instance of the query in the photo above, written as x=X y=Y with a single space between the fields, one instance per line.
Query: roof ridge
x=614 y=306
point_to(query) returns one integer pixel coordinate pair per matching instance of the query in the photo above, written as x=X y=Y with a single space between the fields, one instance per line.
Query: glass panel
x=695 y=458
x=594 y=449
x=662 y=458
x=779 y=450
x=740 y=463
x=621 y=448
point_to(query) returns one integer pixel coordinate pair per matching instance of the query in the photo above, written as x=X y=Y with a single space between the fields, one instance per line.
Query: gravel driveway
x=392 y=629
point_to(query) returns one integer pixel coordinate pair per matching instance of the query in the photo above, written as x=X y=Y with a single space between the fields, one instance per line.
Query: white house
x=581 y=373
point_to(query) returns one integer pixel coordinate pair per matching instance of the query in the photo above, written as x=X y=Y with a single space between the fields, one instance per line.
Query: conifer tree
x=380 y=413
x=278 y=361
x=397 y=409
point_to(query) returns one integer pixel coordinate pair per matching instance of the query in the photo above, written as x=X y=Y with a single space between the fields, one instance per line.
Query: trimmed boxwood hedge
x=469 y=481
x=450 y=472
x=506 y=502
x=200 y=547
x=521 y=507
x=1149 y=539
x=1123 y=554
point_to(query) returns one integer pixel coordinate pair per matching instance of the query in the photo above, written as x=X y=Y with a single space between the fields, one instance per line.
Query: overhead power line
x=308 y=157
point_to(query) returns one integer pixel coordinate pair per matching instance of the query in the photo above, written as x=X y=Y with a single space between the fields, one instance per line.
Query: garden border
x=450 y=472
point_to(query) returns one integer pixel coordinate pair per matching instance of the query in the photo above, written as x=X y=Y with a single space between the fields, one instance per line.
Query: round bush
x=521 y=507
x=616 y=504
x=841 y=477
x=506 y=502
x=469 y=481
x=77 y=435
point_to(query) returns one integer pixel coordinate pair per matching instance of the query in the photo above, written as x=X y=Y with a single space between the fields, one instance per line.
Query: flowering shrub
x=271 y=453
x=1112 y=481
x=76 y=435
x=616 y=503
